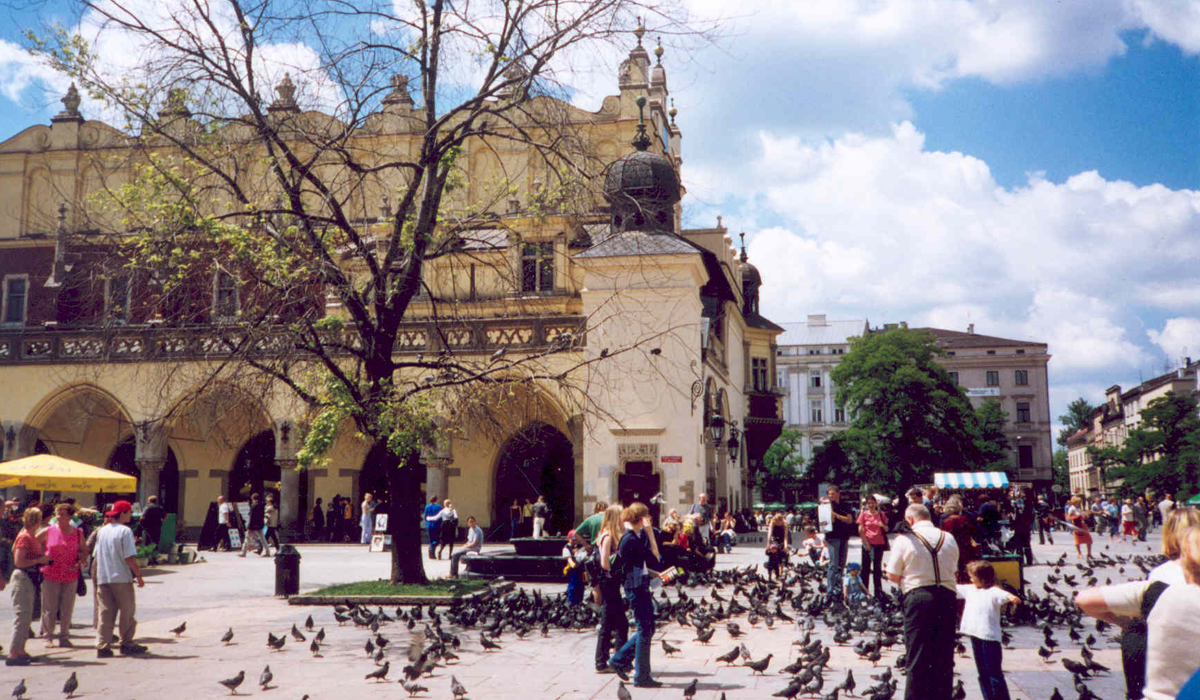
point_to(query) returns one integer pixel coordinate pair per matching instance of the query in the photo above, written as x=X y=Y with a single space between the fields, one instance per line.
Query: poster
x=377 y=542
x=825 y=517
x=235 y=539
x=381 y=522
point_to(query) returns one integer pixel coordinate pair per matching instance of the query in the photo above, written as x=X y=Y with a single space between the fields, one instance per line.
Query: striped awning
x=970 y=480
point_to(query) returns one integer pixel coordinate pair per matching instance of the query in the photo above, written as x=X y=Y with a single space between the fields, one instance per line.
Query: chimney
x=971 y=328
x=817 y=320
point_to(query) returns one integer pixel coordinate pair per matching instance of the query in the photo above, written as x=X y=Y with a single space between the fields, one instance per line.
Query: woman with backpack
x=612 y=618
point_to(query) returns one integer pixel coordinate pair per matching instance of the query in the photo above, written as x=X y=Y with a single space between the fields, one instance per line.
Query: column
x=291 y=511
x=149 y=471
x=150 y=456
x=19 y=441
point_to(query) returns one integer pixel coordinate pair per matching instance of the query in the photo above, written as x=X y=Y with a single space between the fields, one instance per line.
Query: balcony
x=156 y=343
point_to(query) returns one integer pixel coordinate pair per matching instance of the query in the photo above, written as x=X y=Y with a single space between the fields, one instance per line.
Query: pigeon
x=308 y=623
x=315 y=648
x=379 y=674
x=1075 y=667
x=730 y=657
x=623 y=692
x=369 y=647
x=668 y=649
x=488 y=645
x=233 y=683
x=71 y=685
x=791 y=690
x=320 y=636
x=457 y=689
x=759 y=666
x=297 y=634
x=848 y=684
x=265 y=679
x=690 y=690
x=179 y=630
x=378 y=655
x=19 y=690
x=1056 y=695
x=413 y=688
x=227 y=638
x=274 y=642
x=705 y=635
x=1046 y=653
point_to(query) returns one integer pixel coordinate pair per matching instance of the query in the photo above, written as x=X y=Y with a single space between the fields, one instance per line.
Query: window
x=954 y=377
x=1023 y=412
x=839 y=351
x=1021 y=377
x=16 y=299
x=991 y=352
x=1025 y=456
x=993 y=377
x=537 y=267
x=814 y=351
x=814 y=379
x=1020 y=352
x=118 y=299
x=839 y=415
x=225 y=296
x=758 y=373
x=816 y=415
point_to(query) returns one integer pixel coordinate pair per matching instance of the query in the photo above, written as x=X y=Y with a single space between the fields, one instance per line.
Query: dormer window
x=225 y=297
x=16 y=299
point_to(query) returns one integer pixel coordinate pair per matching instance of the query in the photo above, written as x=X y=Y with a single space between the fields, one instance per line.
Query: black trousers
x=613 y=623
x=872 y=568
x=930 y=619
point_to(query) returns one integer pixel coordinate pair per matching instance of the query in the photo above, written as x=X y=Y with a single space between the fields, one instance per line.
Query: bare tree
x=323 y=223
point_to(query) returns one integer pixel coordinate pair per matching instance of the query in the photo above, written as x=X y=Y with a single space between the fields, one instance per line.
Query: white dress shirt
x=910 y=560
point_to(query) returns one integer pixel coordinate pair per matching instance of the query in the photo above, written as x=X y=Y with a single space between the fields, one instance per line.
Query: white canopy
x=970 y=480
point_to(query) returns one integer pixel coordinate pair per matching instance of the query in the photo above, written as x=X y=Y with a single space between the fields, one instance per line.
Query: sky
x=1030 y=167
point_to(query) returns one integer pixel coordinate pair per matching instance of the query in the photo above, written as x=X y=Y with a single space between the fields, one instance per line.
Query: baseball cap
x=118 y=508
x=853 y=566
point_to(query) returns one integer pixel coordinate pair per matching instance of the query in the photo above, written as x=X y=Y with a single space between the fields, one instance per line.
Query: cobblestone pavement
x=226 y=591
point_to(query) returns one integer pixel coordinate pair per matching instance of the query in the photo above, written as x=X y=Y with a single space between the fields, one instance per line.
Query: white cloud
x=1179 y=338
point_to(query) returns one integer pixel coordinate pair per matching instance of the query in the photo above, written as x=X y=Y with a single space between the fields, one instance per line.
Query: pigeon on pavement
x=379 y=674
x=179 y=630
x=233 y=683
x=456 y=688
x=623 y=692
x=228 y=636
x=265 y=679
x=690 y=690
x=71 y=685
x=19 y=690
x=413 y=688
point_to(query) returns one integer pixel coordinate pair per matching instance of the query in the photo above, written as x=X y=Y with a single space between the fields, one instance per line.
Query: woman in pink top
x=872 y=529
x=64 y=544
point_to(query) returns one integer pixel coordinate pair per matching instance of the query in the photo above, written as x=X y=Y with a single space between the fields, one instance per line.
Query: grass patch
x=452 y=587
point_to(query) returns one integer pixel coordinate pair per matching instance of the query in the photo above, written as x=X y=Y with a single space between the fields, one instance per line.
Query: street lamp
x=734 y=444
x=716 y=429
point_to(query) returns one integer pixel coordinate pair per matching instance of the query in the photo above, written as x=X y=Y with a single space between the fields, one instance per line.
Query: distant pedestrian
x=1080 y=533
x=514 y=519
x=225 y=520
x=116 y=571
x=872 y=530
x=572 y=550
x=29 y=552
x=271 y=523
x=704 y=510
x=316 y=521
x=347 y=520
x=333 y=519
x=923 y=564
x=1165 y=506
x=540 y=511
x=778 y=546
x=473 y=546
x=1141 y=517
x=837 y=540
x=65 y=547
x=367 y=519
x=853 y=591
x=527 y=518
x=433 y=523
x=151 y=521
x=254 y=528
x=1128 y=524
x=448 y=529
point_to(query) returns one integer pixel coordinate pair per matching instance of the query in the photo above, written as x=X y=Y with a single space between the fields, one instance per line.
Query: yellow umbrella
x=53 y=473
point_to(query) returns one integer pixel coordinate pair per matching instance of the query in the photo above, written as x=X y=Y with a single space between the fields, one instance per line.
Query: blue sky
x=1027 y=166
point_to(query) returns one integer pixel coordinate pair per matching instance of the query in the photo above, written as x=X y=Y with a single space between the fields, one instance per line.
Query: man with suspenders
x=923 y=563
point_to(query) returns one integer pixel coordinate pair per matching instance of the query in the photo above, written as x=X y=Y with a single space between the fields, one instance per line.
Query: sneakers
x=651 y=683
x=104 y=653
x=132 y=649
x=622 y=673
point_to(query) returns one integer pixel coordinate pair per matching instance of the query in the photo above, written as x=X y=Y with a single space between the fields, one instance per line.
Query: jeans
x=456 y=558
x=434 y=531
x=989 y=662
x=638 y=646
x=872 y=568
x=1044 y=533
x=575 y=585
x=612 y=622
x=930 y=619
x=837 y=560
x=514 y=528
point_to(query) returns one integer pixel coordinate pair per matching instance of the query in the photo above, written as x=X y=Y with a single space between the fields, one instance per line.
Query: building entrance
x=639 y=483
x=538 y=460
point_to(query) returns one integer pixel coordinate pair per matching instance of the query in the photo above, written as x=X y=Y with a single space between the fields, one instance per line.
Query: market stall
x=54 y=473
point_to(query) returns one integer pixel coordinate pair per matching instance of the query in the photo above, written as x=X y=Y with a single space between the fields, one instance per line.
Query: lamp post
x=734 y=443
x=716 y=428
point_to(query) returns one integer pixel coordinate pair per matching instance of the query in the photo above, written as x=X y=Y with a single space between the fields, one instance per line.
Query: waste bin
x=287 y=571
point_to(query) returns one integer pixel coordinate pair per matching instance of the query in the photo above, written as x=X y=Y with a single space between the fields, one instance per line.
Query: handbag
x=81 y=586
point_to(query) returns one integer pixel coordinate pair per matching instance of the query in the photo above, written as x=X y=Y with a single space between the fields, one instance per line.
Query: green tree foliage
x=910 y=418
x=1163 y=454
x=1078 y=416
x=781 y=464
x=990 y=442
x=1062 y=470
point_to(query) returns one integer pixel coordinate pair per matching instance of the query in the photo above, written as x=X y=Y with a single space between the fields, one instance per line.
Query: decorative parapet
x=160 y=344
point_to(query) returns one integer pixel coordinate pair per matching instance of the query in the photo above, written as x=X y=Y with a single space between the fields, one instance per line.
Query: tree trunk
x=404 y=524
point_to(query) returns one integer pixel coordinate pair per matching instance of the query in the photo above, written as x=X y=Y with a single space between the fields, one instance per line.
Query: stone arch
x=41 y=201
x=536 y=460
x=81 y=421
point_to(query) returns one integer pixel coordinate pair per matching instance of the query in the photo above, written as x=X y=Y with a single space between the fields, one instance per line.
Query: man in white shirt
x=473 y=546
x=923 y=563
x=1165 y=506
x=224 y=521
x=116 y=570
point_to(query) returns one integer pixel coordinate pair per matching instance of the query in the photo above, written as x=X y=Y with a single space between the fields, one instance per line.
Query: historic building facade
x=685 y=404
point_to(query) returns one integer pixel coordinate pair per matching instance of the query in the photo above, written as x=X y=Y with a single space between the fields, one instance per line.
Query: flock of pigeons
x=731 y=602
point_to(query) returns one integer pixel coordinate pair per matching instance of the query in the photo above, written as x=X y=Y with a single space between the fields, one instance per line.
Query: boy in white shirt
x=981 y=622
x=814 y=546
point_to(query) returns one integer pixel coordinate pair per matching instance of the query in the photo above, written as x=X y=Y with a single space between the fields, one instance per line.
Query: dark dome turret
x=751 y=281
x=642 y=188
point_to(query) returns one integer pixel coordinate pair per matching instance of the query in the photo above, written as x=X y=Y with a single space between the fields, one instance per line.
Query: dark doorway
x=255 y=469
x=122 y=460
x=639 y=483
x=168 y=484
x=538 y=460
x=373 y=477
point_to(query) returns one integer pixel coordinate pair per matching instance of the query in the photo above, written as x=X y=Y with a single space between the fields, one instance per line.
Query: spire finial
x=641 y=141
x=742 y=235
x=639 y=31
x=672 y=112
x=658 y=51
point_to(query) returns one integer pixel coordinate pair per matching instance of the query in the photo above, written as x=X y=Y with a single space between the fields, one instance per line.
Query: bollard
x=287 y=571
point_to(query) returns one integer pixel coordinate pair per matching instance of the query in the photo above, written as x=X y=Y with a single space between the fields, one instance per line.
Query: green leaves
x=1163 y=454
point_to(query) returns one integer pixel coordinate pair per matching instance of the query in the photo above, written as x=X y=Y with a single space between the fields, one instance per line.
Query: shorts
x=1128 y=527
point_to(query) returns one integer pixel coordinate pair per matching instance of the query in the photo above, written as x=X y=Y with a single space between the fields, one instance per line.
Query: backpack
x=1133 y=643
